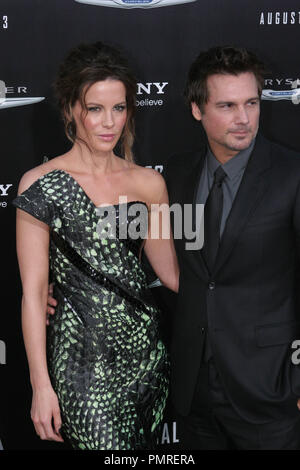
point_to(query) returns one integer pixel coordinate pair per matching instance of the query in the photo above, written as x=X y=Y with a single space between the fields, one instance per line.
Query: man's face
x=231 y=115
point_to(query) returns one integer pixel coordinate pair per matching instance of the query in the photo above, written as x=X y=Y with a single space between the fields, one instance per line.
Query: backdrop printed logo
x=134 y=3
x=13 y=102
x=169 y=434
x=292 y=94
x=159 y=168
x=4 y=189
x=4 y=22
x=4 y=193
x=152 y=92
x=2 y=353
x=2 y=91
x=279 y=18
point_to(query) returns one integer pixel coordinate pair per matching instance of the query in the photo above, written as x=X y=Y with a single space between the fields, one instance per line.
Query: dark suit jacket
x=250 y=301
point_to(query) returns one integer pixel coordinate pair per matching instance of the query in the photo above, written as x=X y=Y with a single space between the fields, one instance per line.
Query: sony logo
x=151 y=87
x=4 y=188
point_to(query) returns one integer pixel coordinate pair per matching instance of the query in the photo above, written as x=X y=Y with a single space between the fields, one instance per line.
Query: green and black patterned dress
x=106 y=359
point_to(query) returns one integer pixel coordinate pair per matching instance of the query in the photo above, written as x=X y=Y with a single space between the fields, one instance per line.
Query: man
x=233 y=382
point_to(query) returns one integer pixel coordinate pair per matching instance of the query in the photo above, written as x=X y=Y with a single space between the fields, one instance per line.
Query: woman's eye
x=94 y=108
x=120 y=107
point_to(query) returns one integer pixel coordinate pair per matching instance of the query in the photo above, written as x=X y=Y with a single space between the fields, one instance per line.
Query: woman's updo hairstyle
x=85 y=65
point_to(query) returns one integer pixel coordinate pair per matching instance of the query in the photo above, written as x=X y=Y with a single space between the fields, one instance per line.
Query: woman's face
x=102 y=123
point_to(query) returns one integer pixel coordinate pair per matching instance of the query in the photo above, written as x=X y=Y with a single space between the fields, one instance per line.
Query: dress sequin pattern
x=107 y=362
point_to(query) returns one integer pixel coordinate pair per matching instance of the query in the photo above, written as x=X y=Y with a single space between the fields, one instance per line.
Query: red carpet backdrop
x=160 y=38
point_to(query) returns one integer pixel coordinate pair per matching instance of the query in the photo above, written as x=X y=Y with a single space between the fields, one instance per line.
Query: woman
x=104 y=379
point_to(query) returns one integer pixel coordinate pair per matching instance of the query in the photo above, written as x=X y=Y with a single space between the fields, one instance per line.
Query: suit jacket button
x=212 y=285
x=202 y=330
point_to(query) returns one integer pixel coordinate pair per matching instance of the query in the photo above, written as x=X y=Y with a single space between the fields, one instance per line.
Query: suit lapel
x=250 y=192
x=194 y=185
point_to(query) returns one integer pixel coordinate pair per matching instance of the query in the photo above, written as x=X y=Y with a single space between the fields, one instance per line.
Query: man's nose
x=242 y=116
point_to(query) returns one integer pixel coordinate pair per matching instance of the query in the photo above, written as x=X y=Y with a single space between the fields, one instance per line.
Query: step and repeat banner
x=161 y=38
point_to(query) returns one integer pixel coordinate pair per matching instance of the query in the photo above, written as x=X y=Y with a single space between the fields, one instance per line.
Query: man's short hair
x=220 y=60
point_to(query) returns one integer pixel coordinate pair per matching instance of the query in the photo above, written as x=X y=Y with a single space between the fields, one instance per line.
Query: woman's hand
x=45 y=414
x=51 y=302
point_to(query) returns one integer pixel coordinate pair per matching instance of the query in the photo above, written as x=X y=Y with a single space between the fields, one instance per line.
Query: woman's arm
x=159 y=246
x=33 y=257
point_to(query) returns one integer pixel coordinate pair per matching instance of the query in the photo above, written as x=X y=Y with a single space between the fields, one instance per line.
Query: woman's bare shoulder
x=153 y=177
x=37 y=172
x=150 y=181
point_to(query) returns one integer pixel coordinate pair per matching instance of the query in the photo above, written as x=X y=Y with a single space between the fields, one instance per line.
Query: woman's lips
x=107 y=137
